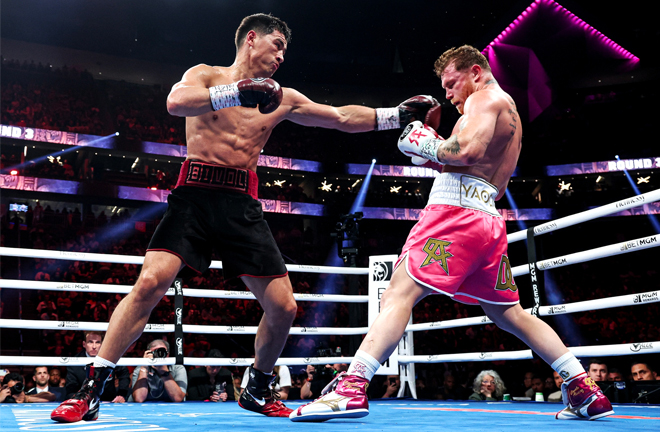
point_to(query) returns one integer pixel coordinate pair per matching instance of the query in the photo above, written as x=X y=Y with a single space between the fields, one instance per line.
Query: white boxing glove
x=420 y=140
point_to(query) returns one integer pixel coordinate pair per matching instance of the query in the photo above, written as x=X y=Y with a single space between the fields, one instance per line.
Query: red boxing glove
x=265 y=93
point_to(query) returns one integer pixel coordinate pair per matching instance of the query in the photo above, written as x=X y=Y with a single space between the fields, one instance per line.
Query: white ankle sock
x=101 y=362
x=568 y=367
x=363 y=365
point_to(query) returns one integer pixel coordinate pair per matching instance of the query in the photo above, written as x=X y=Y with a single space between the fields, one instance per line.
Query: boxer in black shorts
x=223 y=217
x=214 y=204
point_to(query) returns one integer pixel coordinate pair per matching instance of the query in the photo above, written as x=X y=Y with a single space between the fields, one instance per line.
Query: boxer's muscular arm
x=190 y=96
x=349 y=118
x=475 y=132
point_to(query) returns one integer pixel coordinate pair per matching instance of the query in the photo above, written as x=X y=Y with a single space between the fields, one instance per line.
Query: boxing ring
x=384 y=413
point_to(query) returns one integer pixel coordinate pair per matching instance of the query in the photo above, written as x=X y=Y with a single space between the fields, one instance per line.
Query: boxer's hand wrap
x=420 y=140
x=252 y=92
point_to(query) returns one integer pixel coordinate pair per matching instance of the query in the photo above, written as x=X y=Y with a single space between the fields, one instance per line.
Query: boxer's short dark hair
x=262 y=24
x=463 y=58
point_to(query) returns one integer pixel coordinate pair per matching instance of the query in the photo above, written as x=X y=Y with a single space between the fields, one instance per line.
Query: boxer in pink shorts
x=458 y=247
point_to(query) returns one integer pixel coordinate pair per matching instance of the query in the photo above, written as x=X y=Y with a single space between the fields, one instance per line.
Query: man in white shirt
x=41 y=378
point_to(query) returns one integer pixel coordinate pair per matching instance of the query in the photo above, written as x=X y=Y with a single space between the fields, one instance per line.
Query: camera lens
x=160 y=352
x=17 y=388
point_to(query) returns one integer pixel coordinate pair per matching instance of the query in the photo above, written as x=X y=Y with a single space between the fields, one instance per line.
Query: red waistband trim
x=214 y=176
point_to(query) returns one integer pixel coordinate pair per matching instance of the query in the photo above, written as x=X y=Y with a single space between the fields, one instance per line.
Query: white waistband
x=465 y=191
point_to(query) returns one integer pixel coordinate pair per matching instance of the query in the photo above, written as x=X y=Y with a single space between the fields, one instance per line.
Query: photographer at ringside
x=75 y=375
x=13 y=391
x=319 y=376
x=159 y=383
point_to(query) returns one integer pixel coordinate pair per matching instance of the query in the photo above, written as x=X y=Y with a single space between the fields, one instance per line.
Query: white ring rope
x=588 y=215
x=588 y=351
x=189 y=292
x=592 y=254
x=581 y=306
x=169 y=328
x=139 y=260
x=600 y=350
x=188 y=361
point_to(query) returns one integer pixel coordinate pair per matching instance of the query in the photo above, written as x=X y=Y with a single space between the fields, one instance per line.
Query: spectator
x=75 y=375
x=41 y=379
x=556 y=396
x=642 y=372
x=450 y=390
x=392 y=386
x=55 y=379
x=12 y=391
x=538 y=386
x=488 y=386
x=212 y=383
x=614 y=375
x=159 y=383
x=597 y=370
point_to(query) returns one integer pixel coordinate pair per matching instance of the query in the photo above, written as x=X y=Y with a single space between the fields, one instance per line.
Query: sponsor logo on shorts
x=223 y=177
x=483 y=195
x=637 y=347
x=382 y=271
x=436 y=253
x=647 y=297
x=505 y=276
x=564 y=374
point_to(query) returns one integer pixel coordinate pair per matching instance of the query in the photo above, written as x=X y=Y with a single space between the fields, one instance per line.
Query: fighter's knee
x=149 y=285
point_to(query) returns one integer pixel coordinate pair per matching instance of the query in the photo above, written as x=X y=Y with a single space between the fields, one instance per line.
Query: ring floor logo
x=382 y=271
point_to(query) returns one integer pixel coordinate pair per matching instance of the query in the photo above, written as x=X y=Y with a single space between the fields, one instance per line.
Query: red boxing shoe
x=344 y=397
x=584 y=400
x=84 y=405
x=259 y=397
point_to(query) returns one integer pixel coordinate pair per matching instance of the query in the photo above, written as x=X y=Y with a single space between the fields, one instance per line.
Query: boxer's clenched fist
x=420 y=140
x=417 y=108
x=265 y=93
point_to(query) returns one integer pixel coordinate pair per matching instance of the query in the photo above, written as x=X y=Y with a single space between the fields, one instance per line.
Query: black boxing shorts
x=214 y=208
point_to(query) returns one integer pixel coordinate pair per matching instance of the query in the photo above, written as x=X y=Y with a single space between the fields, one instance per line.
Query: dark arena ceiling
x=365 y=44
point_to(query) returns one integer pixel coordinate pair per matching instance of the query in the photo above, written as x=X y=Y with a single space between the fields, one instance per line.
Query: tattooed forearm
x=448 y=151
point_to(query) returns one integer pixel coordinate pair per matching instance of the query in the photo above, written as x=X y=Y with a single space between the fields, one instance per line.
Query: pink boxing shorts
x=458 y=247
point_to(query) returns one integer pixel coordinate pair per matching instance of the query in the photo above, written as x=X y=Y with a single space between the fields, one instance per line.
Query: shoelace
x=85 y=391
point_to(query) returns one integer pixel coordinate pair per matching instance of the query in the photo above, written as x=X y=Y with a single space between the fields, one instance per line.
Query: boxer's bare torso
x=232 y=136
x=489 y=134
x=499 y=161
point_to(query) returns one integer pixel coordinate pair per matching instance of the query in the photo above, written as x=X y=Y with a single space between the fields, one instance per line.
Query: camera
x=159 y=353
x=17 y=388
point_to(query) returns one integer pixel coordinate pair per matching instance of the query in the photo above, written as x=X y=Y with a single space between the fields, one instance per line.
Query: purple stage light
x=552 y=6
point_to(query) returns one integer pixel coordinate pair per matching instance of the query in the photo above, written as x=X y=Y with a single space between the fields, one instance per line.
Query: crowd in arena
x=68 y=99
